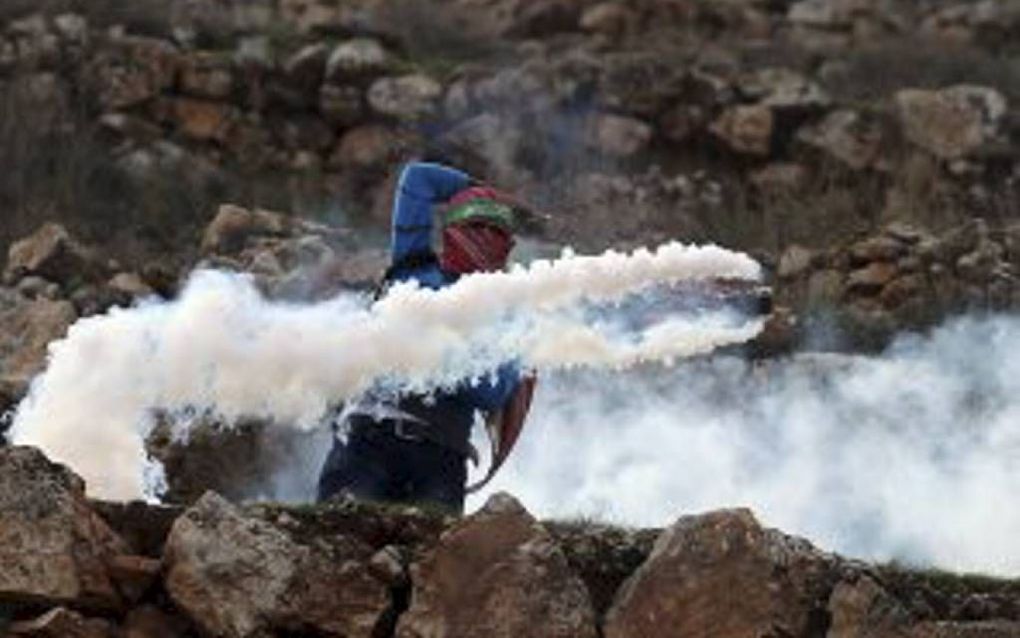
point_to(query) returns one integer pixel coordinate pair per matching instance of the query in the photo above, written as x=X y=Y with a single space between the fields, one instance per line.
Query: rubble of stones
x=72 y=567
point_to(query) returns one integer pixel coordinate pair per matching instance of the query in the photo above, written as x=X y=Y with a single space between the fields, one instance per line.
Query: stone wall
x=72 y=567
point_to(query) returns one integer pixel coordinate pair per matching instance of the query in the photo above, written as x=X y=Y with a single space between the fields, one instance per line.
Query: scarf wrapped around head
x=477 y=232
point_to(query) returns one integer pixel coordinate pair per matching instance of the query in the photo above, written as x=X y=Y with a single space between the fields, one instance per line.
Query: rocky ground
x=78 y=568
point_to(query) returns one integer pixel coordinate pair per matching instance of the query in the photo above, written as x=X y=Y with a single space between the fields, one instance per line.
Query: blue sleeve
x=493 y=391
x=421 y=186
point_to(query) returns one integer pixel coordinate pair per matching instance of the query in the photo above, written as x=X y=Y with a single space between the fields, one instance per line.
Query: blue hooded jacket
x=421 y=187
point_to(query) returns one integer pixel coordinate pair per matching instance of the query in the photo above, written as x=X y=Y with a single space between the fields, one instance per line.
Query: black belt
x=411 y=431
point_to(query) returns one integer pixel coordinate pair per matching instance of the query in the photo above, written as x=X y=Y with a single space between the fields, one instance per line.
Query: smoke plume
x=224 y=349
x=913 y=456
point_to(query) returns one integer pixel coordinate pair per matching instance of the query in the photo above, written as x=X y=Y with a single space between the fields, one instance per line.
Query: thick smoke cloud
x=224 y=349
x=913 y=456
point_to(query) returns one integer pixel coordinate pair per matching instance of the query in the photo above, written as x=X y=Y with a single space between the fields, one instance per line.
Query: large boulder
x=54 y=549
x=236 y=575
x=52 y=253
x=497 y=573
x=954 y=122
x=722 y=574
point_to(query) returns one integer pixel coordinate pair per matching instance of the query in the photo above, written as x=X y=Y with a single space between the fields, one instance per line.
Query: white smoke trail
x=222 y=347
x=914 y=455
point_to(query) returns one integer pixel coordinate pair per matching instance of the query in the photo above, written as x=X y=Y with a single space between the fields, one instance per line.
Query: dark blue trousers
x=374 y=465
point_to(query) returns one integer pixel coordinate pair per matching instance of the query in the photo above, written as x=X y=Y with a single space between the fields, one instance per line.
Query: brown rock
x=862 y=609
x=236 y=575
x=26 y=329
x=207 y=75
x=746 y=129
x=51 y=252
x=871 y=278
x=233 y=225
x=722 y=574
x=954 y=122
x=53 y=548
x=847 y=137
x=409 y=97
x=203 y=120
x=619 y=136
x=132 y=70
x=497 y=573
x=61 y=623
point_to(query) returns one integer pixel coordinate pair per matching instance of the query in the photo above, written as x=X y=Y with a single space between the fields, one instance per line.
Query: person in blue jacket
x=414 y=448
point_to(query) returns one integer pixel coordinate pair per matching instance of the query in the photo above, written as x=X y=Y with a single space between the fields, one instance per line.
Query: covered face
x=477 y=233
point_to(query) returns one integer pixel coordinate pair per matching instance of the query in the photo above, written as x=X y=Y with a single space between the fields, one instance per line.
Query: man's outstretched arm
x=421 y=186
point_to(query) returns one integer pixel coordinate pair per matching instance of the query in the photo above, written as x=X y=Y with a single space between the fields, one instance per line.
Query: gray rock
x=238 y=576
